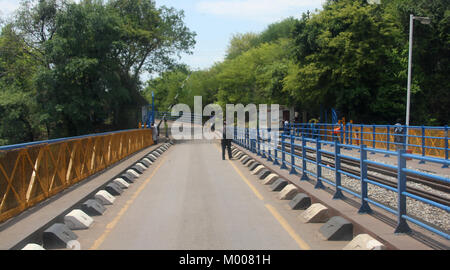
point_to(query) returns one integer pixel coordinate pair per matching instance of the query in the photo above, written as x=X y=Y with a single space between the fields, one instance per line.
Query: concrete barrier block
x=263 y=174
x=132 y=173
x=254 y=165
x=151 y=157
x=250 y=162
x=142 y=166
x=278 y=185
x=288 y=192
x=93 y=207
x=78 y=220
x=137 y=169
x=121 y=183
x=113 y=189
x=316 y=213
x=104 y=197
x=147 y=162
x=156 y=154
x=57 y=236
x=364 y=242
x=246 y=161
x=127 y=177
x=33 y=246
x=243 y=157
x=336 y=229
x=239 y=155
x=258 y=169
x=301 y=201
x=270 y=179
x=159 y=151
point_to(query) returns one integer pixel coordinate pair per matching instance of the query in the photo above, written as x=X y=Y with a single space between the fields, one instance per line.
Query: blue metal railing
x=260 y=143
x=423 y=140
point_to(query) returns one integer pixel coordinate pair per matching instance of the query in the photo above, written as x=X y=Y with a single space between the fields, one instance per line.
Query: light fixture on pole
x=423 y=20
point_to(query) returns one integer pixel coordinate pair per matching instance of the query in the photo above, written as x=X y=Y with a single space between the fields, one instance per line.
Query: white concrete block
x=78 y=220
x=242 y=158
x=148 y=160
x=156 y=154
x=105 y=197
x=121 y=183
x=288 y=192
x=316 y=213
x=258 y=169
x=133 y=172
x=270 y=179
x=141 y=166
x=33 y=247
x=153 y=156
x=364 y=242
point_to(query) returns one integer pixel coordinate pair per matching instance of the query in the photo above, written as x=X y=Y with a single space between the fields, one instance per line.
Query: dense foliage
x=351 y=56
x=68 y=69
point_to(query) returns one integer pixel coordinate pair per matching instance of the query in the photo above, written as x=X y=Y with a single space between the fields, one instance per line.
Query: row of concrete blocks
x=60 y=235
x=335 y=228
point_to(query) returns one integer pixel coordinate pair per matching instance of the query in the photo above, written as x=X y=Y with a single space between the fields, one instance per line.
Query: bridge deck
x=192 y=199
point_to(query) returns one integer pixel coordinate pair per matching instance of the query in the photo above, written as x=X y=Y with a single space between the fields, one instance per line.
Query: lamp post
x=423 y=20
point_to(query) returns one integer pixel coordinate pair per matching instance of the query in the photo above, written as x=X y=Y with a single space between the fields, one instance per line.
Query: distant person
x=226 y=143
x=398 y=136
x=155 y=133
x=166 y=127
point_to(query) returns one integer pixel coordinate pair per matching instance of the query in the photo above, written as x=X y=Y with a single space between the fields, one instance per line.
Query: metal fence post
x=446 y=146
x=341 y=133
x=283 y=153
x=264 y=146
x=365 y=208
x=402 y=225
x=319 y=184
x=388 y=139
x=258 y=143
x=275 y=160
x=361 y=137
x=423 y=145
x=346 y=133
x=373 y=139
x=269 y=140
x=351 y=133
x=293 y=171
x=304 y=175
x=337 y=175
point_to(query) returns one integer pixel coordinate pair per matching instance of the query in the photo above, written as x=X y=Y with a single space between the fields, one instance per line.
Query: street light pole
x=408 y=95
x=423 y=20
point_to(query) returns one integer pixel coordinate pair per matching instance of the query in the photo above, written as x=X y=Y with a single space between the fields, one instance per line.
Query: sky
x=215 y=21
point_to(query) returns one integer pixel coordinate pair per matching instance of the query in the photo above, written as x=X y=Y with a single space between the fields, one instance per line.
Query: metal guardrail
x=423 y=140
x=258 y=142
x=33 y=172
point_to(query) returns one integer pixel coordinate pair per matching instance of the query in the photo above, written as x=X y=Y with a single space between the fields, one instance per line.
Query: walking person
x=154 y=133
x=398 y=136
x=226 y=142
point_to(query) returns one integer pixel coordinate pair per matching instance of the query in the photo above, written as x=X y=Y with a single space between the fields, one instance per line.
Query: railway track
x=347 y=163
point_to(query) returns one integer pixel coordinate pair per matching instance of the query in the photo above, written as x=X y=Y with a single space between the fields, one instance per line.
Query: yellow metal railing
x=31 y=174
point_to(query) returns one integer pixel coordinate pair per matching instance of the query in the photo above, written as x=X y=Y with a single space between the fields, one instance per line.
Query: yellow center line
x=114 y=222
x=302 y=244
x=255 y=191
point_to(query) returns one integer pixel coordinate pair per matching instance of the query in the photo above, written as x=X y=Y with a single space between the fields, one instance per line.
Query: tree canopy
x=351 y=56
x=75 y=68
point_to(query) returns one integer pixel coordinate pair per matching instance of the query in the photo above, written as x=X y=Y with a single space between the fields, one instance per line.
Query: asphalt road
x=192 y=199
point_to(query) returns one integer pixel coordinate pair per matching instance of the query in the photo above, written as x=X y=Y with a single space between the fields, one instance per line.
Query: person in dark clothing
x=226 y=143
x=398 y=135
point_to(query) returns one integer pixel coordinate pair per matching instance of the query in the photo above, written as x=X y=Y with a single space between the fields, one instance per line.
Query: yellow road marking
x=255 y=191
x=302 y=244
x=114 y=222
